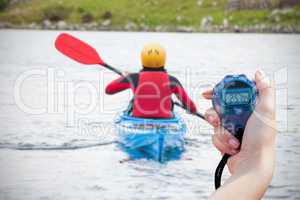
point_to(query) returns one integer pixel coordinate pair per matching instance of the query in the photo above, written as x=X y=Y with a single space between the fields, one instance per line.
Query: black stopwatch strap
x=219 y=170
x=223 y=162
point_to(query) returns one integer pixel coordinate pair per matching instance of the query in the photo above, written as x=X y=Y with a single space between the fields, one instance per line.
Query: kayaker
x=152 y=86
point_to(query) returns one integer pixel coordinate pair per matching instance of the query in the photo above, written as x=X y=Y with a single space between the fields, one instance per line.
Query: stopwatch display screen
x=236 y=96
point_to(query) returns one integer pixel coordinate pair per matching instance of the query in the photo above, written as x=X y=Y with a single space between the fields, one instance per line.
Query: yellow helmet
x=153 y=56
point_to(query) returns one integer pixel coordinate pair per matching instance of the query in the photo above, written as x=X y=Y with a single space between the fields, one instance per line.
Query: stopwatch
x=234 y=99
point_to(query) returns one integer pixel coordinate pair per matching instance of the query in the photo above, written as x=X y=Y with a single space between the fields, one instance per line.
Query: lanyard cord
x=219 y=170
x=223 y=161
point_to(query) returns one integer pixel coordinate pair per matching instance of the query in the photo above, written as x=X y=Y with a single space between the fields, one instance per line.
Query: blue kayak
x=158 y=139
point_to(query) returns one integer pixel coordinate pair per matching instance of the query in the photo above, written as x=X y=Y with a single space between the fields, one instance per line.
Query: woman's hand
x=256 y=154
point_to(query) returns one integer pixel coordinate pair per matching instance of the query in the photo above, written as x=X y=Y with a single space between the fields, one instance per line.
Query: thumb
x=266 y=95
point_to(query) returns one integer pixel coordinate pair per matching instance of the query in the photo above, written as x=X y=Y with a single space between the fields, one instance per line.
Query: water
x=56 y=136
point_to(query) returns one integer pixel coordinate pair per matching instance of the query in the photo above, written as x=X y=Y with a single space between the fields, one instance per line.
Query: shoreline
x=61 y=25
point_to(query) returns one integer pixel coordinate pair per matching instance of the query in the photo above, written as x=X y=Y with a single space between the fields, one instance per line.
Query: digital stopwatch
x=234 y=100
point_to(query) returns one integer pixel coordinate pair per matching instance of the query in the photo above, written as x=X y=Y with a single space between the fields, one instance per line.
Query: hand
x=125 y=73
x=252 y=163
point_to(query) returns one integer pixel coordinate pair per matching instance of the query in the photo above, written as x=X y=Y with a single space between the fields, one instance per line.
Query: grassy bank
x=159 y=15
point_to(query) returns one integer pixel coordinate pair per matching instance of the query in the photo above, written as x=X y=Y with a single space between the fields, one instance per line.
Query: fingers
x=207 y=94
x=222 y=139
x=212 y=117
x=225 y=142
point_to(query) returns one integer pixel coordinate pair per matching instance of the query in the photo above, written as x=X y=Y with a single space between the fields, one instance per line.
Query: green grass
x=249 y=17
x=151 y=13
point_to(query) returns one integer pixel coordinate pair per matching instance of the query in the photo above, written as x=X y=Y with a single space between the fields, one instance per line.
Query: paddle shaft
x=196 y=113
x=112 y=69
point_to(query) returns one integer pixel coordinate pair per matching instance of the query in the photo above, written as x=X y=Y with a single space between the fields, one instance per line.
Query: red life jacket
x=152 y=96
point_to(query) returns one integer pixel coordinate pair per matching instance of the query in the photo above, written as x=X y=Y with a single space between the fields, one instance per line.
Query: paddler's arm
x=118 y=85
x=181 y=94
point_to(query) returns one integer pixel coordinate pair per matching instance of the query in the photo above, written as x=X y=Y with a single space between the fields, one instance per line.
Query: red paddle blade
x=77 y=49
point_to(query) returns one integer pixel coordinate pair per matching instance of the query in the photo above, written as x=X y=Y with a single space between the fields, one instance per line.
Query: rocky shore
x=204 y=27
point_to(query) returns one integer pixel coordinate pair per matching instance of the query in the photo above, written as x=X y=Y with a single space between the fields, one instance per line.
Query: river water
x=56 y=136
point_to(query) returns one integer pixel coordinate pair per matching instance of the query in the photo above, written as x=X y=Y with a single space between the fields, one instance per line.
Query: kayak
x=157 y=139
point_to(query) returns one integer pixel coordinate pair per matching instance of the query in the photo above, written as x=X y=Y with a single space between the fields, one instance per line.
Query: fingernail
x=261 y=73
x=234 y=143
